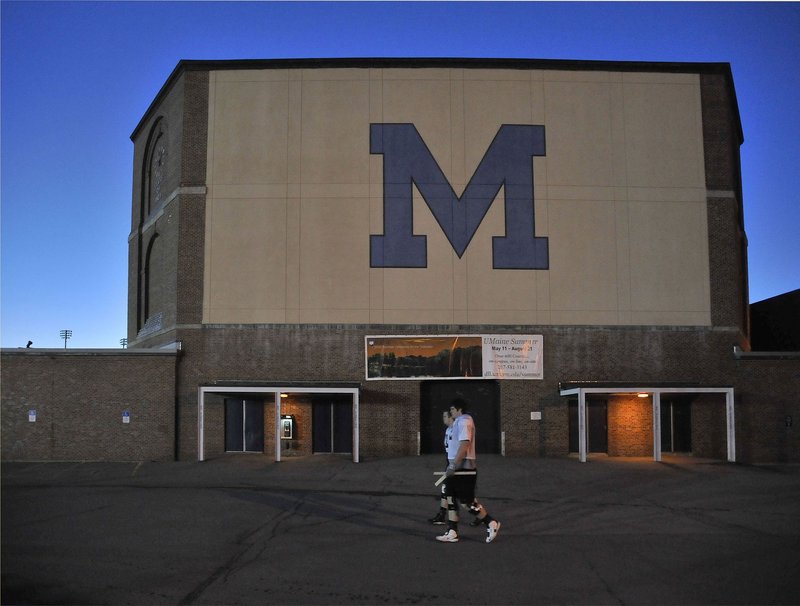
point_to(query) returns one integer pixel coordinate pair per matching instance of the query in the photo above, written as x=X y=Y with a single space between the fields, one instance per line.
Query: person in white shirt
x=461 y=488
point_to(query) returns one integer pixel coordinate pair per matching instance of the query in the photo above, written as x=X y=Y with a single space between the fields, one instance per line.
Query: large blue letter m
x=508 y=163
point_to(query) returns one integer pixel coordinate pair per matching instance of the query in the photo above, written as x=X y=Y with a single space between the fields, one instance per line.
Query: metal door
x=332 y=422
x=244 y=425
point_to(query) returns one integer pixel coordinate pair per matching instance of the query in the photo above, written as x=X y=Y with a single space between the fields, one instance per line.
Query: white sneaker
x=491 y=530
x=451 y=536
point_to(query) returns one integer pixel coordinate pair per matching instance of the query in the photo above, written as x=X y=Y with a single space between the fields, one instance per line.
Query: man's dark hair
x=458 y=404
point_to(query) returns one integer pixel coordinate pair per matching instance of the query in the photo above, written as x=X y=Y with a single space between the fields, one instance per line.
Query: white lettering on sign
x=512 y=356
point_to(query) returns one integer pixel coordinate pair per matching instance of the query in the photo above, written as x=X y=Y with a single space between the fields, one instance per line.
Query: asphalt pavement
x=324 y=530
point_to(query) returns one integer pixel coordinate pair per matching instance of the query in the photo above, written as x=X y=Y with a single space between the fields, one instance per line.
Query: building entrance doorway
x=244 y=425
x=483 y=403
x=332 y=422
x=596 y=425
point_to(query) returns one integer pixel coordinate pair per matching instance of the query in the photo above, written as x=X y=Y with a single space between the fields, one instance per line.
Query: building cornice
x=187 y=65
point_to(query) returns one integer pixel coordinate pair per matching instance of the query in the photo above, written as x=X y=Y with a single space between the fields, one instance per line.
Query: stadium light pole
x=65 y=334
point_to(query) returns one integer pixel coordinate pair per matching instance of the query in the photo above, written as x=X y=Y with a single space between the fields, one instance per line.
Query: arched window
x=154 y=169
x=152 y=289
x=149 y=285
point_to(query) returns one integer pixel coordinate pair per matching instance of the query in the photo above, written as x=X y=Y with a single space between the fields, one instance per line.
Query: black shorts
x=461 y=487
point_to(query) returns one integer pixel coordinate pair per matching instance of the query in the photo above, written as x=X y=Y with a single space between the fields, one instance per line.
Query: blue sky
x=77 y=77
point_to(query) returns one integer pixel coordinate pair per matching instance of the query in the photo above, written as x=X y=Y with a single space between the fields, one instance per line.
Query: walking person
x=460 y=489
x=450 y=448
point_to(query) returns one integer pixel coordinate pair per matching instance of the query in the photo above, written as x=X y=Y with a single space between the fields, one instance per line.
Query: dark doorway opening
x=483 y=403
x=676 y=425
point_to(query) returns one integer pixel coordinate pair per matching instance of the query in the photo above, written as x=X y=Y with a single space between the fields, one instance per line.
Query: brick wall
x=630 y=426
x=709 y=426
x=162 y=220
x=768 y=409
x=727 y=240
x=166 y=246
x=80 y=397
x=301 y=444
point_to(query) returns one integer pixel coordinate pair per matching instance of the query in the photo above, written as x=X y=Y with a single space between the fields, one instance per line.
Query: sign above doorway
x=454 y=357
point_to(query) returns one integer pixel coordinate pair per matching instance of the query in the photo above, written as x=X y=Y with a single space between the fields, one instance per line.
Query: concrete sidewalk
x=323 y=530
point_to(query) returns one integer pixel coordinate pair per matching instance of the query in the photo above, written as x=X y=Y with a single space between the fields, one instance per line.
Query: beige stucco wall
x=294 y=194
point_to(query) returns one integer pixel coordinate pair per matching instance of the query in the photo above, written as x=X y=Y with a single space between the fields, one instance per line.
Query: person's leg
x=492 y=525
x=475 y=509
x=482 y=515
x=451 y=536
x=441 y=516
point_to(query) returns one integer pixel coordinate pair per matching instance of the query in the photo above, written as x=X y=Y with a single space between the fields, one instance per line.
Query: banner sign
x=454 y=357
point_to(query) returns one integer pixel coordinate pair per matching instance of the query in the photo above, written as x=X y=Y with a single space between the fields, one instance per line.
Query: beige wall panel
x=670 y=318
x=418 y=316
x=235 y=315
x=586 y=193
x=418 y=75
x=502 y=316
x=583 y=256
x=341 y=74
x=623 y=244
x=669 y=257
x=334 y=190
x=249 y=190
x=335 y=131
x=585 y=317
x=578 y=76
x=332 y=316
x=293 y=215
x=579 y=135
x=521 y=75
x=618 y=160
x=664 y=194
x=456 y=172
x=487 y=106
x=250 y=132
x=294 y=194
x=294 y=147
x=658 y=78
x=247 y=260
x=664 y=147
x=252 y=75
x=334 y=265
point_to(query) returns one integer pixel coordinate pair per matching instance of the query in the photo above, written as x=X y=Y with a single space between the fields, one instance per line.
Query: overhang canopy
x=275 y=390
x=654 y=390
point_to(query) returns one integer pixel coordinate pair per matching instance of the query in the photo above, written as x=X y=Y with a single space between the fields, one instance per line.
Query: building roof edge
x=185 y=65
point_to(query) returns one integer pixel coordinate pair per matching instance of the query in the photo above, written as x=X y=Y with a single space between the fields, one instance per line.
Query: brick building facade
x=88 y=405
x=595 y=206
